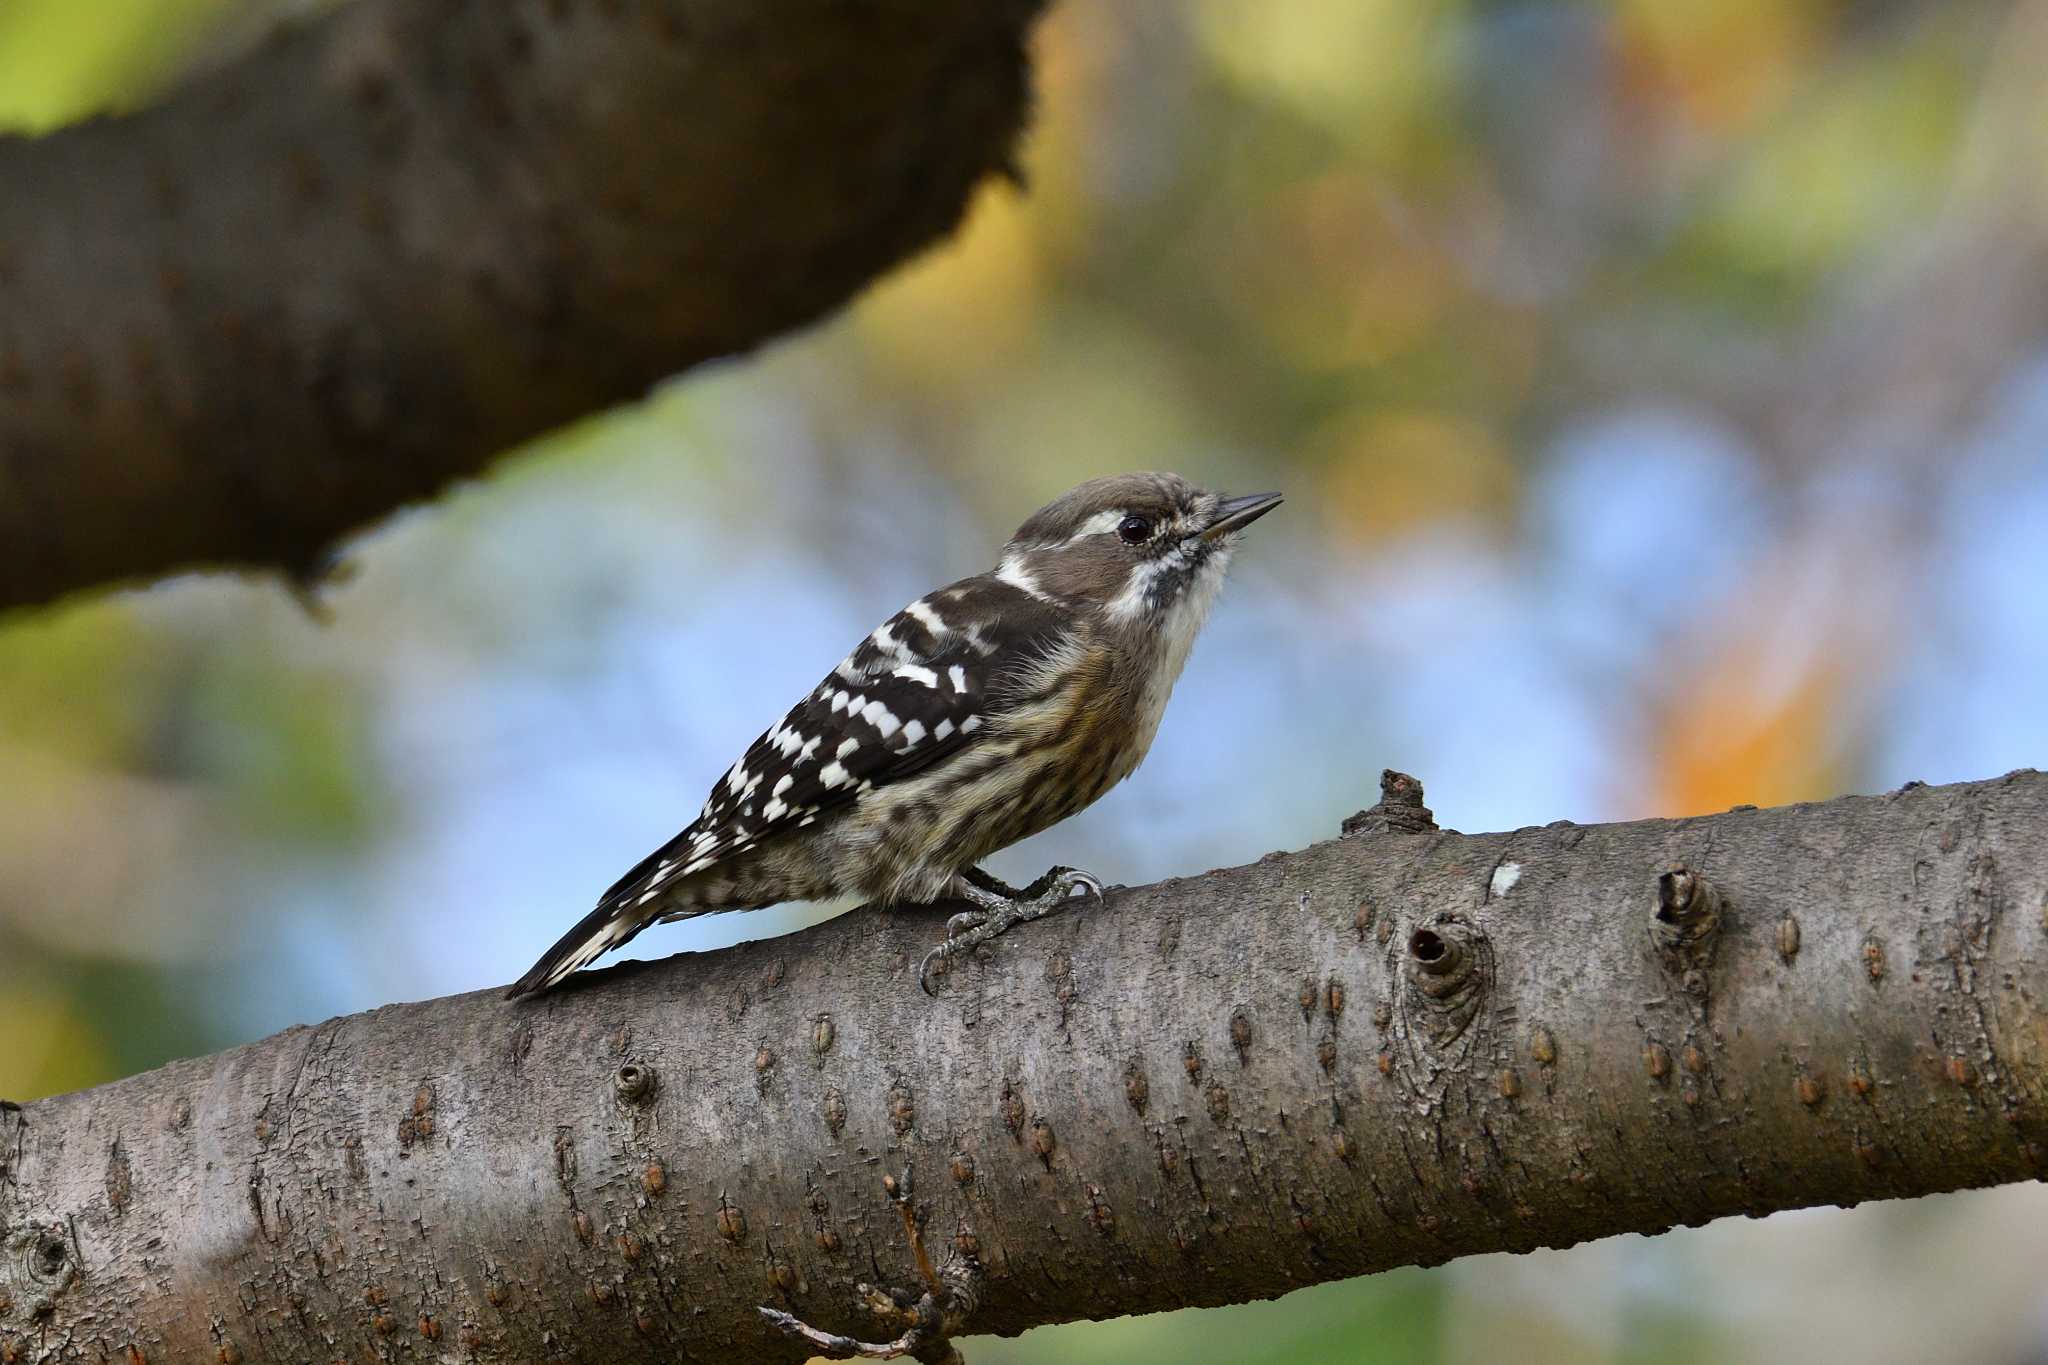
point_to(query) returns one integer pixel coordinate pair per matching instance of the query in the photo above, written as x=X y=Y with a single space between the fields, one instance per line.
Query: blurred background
x=1660 y=388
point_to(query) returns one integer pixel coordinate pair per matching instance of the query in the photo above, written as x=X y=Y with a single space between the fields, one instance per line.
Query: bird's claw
x=1067 y=878
x=934 y=958
x=996 y=914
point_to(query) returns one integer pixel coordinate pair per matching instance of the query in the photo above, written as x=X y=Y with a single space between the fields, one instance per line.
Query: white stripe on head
x=1102 y=523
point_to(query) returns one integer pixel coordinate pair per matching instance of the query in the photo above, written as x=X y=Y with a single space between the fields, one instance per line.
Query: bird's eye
x=1135 y=530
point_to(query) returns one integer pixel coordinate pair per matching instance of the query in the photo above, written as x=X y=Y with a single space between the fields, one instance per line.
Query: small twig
x=930 y=1320
x=838 y=1347
x=899 y=1193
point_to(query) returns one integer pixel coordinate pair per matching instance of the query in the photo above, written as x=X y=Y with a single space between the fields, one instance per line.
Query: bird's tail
x=596 y=934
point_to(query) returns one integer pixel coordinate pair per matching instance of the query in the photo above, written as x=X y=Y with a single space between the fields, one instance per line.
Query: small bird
x=977 y=716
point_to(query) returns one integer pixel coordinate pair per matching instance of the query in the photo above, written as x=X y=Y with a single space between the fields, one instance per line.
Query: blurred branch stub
x=1389 y=1049
x=397 y=240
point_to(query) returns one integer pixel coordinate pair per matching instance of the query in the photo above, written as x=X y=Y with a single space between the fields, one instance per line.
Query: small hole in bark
x=1426 y=945
x=635 y=1083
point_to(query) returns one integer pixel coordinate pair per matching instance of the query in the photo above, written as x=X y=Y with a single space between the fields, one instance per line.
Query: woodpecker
x=977 y=716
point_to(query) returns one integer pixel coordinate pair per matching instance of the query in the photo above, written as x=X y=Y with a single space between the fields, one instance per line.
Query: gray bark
x=325 y=281
x=1393 y=1048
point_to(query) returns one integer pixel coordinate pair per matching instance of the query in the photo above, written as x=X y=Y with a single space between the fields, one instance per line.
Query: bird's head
x=1141 y=549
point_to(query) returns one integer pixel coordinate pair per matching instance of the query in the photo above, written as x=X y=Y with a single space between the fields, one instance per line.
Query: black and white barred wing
x=914 y=692
x=838 y=743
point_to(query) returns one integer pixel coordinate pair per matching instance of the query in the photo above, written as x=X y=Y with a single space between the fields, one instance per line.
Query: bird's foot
x=929 y=1321
x=999 y=909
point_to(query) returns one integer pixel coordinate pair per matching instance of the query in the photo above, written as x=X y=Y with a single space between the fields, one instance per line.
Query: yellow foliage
x=79 y=681
x=1338 y=276
x=966 y=307
x=46 y=1047
x=61 y=60
x=1367 y=70
x=1720 y=64
x=1390 y=472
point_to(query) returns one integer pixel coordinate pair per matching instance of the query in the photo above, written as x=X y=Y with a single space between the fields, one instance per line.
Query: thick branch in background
x=322 y=283
x=1394 y=1048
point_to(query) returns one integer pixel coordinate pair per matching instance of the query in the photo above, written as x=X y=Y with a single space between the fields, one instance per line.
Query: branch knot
x=1684 y=925
x=1400 y=809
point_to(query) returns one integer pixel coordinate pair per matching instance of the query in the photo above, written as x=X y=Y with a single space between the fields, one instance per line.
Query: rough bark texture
x=322 y=283
x=1397 y=1047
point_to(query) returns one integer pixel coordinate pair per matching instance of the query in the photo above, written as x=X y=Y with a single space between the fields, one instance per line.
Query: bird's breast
x=1092 y=729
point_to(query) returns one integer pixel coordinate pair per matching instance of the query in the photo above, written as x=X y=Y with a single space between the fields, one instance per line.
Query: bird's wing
x=914 y=692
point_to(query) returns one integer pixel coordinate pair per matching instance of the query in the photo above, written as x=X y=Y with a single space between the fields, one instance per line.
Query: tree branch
x=322 y=283
x=1397 y=1047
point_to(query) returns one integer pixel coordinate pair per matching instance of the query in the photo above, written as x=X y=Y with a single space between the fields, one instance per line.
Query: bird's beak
x=1234 y=514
